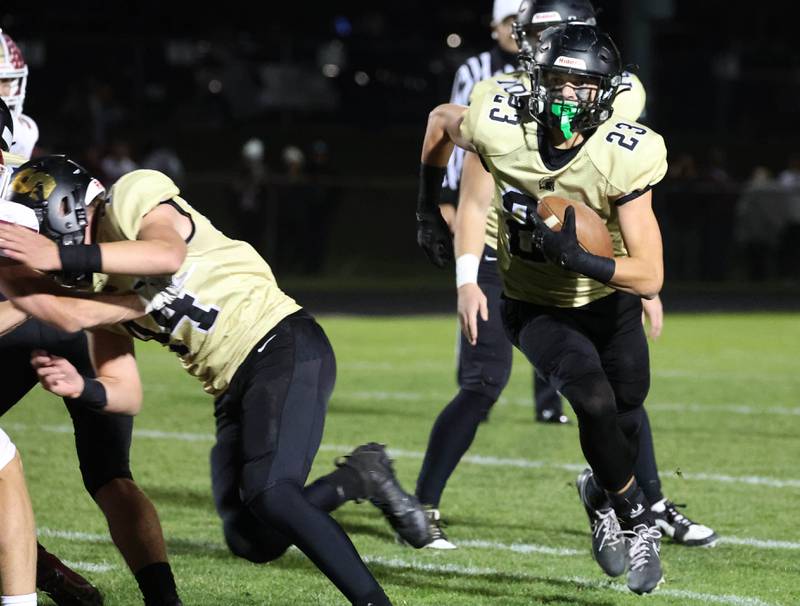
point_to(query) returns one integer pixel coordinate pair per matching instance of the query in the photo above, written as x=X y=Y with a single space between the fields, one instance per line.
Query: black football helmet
x=59 y=191
x=536 y=15
x=585 y=54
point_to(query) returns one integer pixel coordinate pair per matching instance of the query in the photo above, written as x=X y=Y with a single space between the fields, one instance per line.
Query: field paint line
x=732 y=600
x=73 y=535
x=439 y=365
x=89 y=537
x=489 y=461
x=564 y=551
x=534 y=464
x=759 y=543
x=521 y=548
x=477 y=571
x=90 y=566
x=416 y=396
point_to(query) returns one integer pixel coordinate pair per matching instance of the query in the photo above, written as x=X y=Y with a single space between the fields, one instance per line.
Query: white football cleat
x=681 y=529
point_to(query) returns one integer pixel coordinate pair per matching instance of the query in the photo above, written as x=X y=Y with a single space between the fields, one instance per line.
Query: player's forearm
x=442 y=135
x=143 y=257
x=474 y=203
x=122 y=397
x=638 y=276
x=73 y=313
x=10 y=317
x=470 y=234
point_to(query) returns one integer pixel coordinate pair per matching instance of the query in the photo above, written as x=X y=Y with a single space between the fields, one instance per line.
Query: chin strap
x=565 y=111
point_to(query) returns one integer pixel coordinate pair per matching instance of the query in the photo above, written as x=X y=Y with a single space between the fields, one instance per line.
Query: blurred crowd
x=718 y=227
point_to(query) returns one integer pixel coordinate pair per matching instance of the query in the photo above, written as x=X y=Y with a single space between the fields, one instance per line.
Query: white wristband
x=467 y=270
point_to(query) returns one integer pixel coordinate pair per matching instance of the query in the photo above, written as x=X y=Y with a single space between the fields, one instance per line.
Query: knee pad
x=249 y=539
x=631 y=396
x=591 y=397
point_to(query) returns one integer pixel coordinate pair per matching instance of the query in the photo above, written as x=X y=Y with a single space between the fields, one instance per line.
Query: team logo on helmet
x=34 y=183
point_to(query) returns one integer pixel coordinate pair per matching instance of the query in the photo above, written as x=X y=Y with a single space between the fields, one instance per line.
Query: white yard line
x=523 y=548
x=399 y=563
x=443 y=397
x=90 y=566
x=489 y=461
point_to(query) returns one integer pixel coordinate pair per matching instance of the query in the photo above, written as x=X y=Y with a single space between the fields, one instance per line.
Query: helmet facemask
x=13 y=68
x=590 y=106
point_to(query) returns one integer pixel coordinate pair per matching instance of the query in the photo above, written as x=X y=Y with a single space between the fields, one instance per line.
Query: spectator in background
x=255 y=215
x=297 y=253
x=717 y=204
x=789 y=238
x=104 y=110
x=325 y=202
x=164 y=159
x=676 y=211
x=117 y=161
x=760 y=212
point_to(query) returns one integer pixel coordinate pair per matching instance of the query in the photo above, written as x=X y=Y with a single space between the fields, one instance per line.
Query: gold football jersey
x=621 y=158
x=228 y=300
x=631 y=101
x=629 y=104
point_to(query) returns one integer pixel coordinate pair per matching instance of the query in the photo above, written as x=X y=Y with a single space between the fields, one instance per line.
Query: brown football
x=589 y=227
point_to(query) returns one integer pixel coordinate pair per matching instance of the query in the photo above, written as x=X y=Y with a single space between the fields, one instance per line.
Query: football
x=589 y=227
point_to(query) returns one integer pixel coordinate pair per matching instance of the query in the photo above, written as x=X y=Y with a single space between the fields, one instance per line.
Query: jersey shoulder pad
x=13 y=160
x=631 y=157
x=134 y=195
x=632 y=98
x=495 y=119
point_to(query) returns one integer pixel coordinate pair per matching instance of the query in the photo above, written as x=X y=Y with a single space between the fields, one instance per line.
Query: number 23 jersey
x=228 y=298
x=619 y=161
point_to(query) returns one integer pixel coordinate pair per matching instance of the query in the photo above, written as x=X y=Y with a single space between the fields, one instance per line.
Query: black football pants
x=269 y=428
x=597 y=357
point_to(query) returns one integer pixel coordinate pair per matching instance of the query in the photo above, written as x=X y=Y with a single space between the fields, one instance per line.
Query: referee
x=483 y=368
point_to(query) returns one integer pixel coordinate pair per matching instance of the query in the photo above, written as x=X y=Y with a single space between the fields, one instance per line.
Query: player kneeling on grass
x=574 y=314
x=163 y=272
x=17 y=531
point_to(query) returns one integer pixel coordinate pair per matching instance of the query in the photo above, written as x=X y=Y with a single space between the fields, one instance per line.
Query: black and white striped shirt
x=473 y=70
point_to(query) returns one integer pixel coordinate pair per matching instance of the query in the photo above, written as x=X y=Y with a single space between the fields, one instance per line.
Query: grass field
x=725 y=408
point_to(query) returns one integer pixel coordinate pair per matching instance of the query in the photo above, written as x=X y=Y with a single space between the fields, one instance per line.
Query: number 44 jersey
x=619 y=161
x=227 y=299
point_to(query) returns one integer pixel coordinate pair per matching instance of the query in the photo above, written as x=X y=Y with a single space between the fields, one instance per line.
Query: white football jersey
x=26 y=134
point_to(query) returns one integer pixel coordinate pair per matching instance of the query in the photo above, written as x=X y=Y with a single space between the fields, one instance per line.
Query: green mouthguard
x=566 y=110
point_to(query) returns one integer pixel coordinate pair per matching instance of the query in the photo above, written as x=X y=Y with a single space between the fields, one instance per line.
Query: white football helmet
x=14 y=68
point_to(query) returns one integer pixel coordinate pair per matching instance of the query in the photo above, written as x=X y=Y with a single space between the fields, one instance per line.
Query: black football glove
x=433 y=235
x=561 y=248
x=434 y=238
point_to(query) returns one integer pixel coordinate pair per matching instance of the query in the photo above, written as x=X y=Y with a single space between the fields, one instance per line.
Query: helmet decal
x=34 y=183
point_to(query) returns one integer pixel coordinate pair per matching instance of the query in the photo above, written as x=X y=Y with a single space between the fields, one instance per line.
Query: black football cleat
x=402 y=510
x=673 y=523
x=64 y=586
x=609 y=548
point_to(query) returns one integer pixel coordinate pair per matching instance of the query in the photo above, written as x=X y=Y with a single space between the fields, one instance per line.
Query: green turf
x=395 y=374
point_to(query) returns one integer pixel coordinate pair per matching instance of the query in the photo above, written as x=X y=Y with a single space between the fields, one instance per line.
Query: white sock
x=19 y=600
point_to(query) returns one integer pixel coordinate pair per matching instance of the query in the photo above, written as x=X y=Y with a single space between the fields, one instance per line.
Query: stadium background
x=721 y=80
